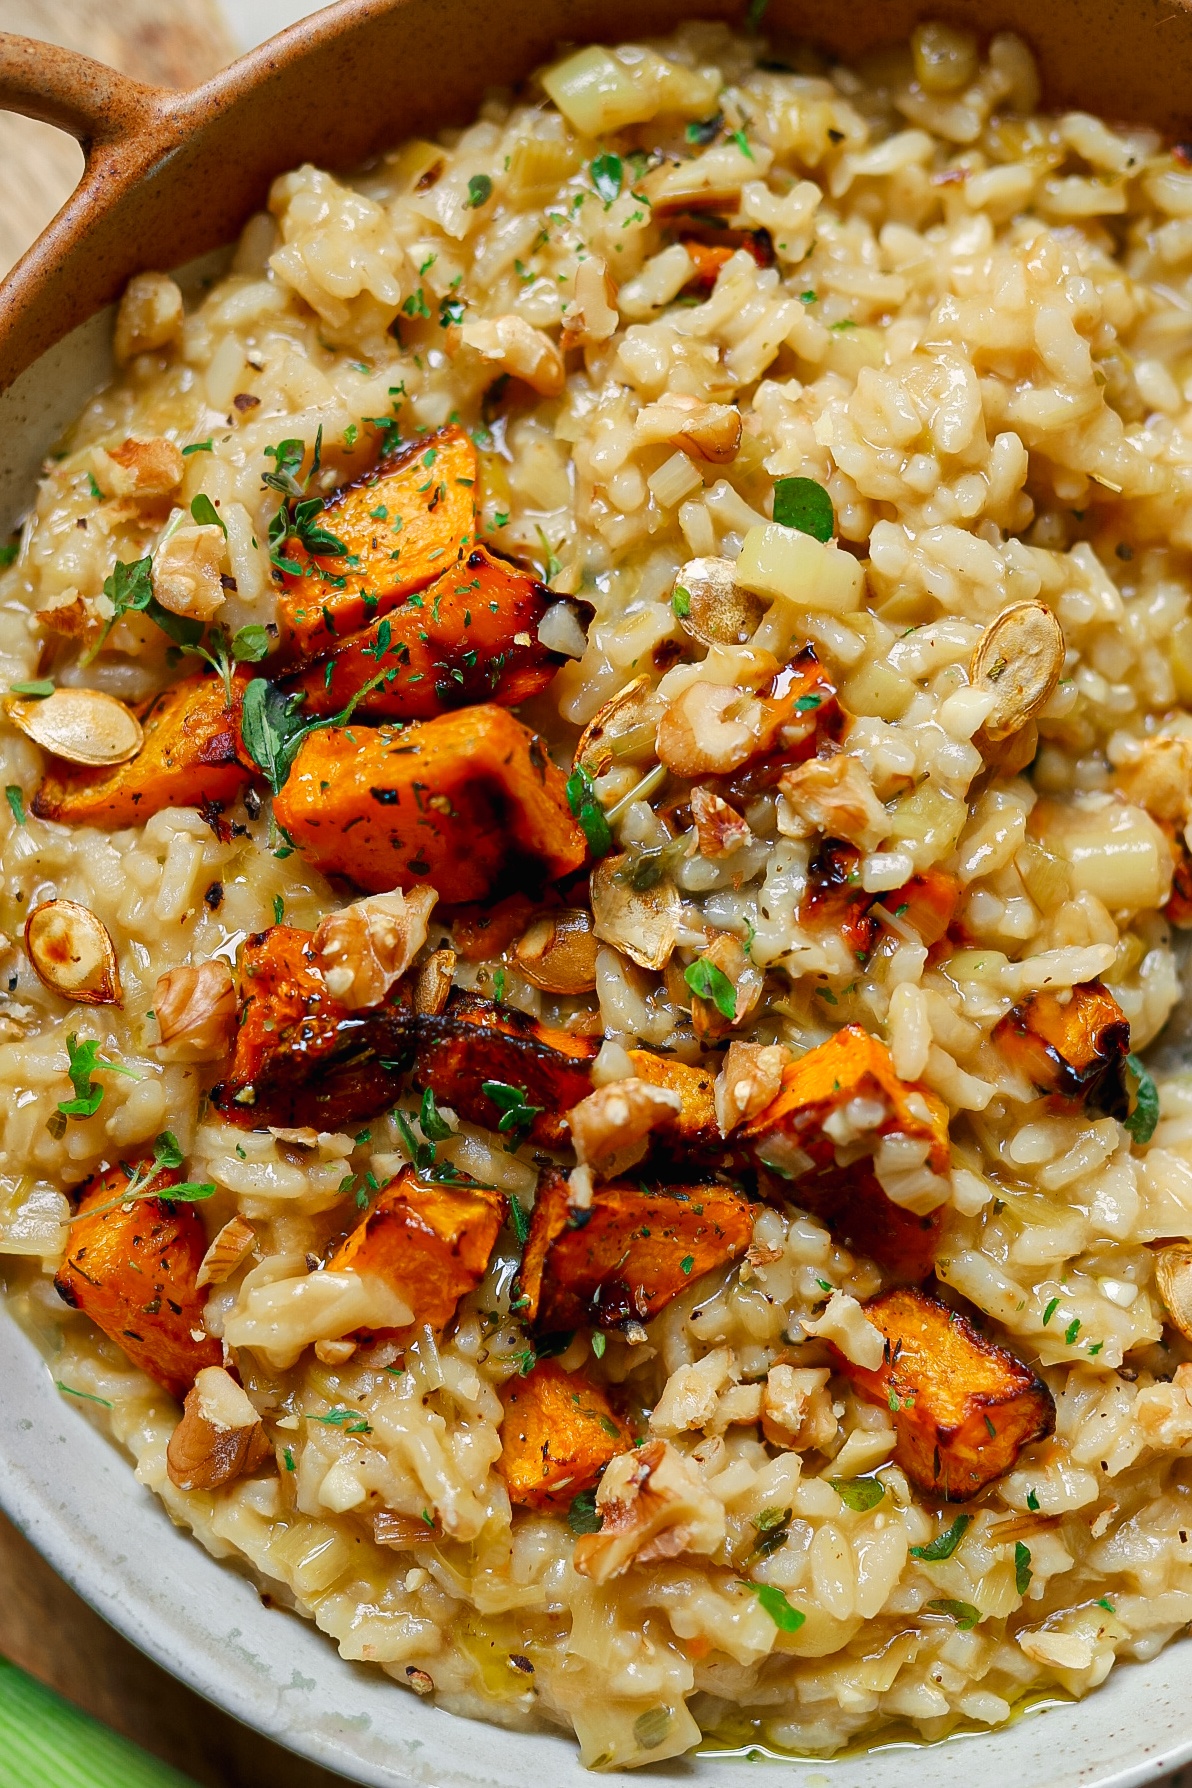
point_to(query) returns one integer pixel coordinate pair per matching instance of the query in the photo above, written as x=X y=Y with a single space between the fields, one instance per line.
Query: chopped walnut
x=196 y=1011
x=834 y=795
x=748 y=1082
x=708 y=730
x=1163 y=1412
x=611 y=1126
x=365 y=948
x=654 y=1505
x=720 y=831
x=691 y=1393
x=151 y=468
x=220 y=1436
x=150 y=316
x=796 y=1407
x=74 y=616
x=706 y=431
x=518 y=349
x=186 y=572
x=591 y=316
x=1159 y=777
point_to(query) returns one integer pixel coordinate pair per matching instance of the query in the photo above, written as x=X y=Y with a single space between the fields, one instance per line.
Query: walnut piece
x=611 y=1126
x=720 y=831
x=708 y=730
x=654 y=1506
x=748 y=1081
x=365 y=948
x=151 y=469
x=705 y=431
x=518 y=349
x=220 y=1436
x=834 y=795
x=591 y=316
x=228 y=1250
x=196 y=1011
x=186 y=572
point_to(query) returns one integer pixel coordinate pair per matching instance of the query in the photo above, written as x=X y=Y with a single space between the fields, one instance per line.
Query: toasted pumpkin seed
x=643 y=923
x=72 y=953
x=1018 y=660
x=83 y=726
x=557 y=951
x=623 y=721
x=1173 y=1276
x=717 y=611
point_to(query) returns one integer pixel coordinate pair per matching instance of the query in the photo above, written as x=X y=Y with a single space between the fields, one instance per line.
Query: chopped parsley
x=772 y=1599
x=16 y=802
x=350 y=1420
x=963 y=1613
x=1144 y=1111
x=860 y=1494
x=1022 y=1568
x=944 y=1544
x=517 y=1115
x=583 y=1515
x=607 y=176
x=480 y=190
x=581 y=798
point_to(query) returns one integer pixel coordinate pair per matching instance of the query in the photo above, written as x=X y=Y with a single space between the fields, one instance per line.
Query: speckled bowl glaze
x=170 y=177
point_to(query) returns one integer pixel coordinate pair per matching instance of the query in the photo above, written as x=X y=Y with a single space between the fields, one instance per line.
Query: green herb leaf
x=945 y=1544
x=963 y=1613
x=681 y=602
x=581 y=798
x=480 y=190
x=860 y=1494
x=84 y=1061
x=274 y=730
x=582 y=1516
x=802 y=503
x=519 y=1217
x=785 y=1618
x=16 y=802
x=84 y=1396
x=1022 y=1568
x=207 y=446
x=8 y=553
x=1072 y=1330
x=206 y=514
x=1144 y=1112
x=432 y=1124
x=250 y=644
x=167 y=1152
x=129 y=586
x=511 y=1102
x=708 y=982
x=773 y=1531
x=350 y=1420
x=607 y=176
x=38 y=690
x=599 y=1343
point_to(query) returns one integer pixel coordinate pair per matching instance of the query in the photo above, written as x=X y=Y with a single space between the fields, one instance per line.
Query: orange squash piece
x=963 y=1408
x=403 y=525
x=190 y=758
x=558 y=1433
x=927 y=903
x=431 y=1243
x=476 y=1041
x=302 y=1058
x=133 y=1273
x=457 y=802
x=835 y=899
x=852 y=1205
x=800 y=713
x=627 y=1255
x=484 y=931
x=472 y=636
x=851 y=1065
x=1074 y=1049
x=695 y=1136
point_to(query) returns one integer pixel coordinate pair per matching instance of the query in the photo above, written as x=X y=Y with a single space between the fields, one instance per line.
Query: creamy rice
x=969 y=323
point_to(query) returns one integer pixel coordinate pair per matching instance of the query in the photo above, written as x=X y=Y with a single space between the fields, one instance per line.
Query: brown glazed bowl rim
x=63 y=1484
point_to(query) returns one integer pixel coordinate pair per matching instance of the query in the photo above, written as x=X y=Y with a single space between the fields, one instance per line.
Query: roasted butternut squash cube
x=558 y=1433
x=402 y=526
x=963 y=1408
x=133 y=1270
x=484 y=931
x=461 y=802
x=191 y=757
x=695 y=1136
x=476 y=1043
x=1073 y=1047
x=852 y=1205
x=430 y=1243
x=789 y=1136
x=301 y=1057
x=835 y=899
x=927 y=903
x=628 y=1254
x=800 y=713
x=471 y=636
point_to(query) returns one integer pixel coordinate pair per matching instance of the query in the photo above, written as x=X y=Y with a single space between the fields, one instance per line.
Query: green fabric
x=47 y=1743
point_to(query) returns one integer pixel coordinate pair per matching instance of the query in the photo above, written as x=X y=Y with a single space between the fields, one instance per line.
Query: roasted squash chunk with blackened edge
x=190 y=758
x=472 y=636
x=962 y=1407
x=789 y=1136
x=133 y=1270
x=852 y=1205
x=1073 y=1047
x=626 y=1255
x=461 y=802
x=558 y=1433
x=835 y=899
x=695 y=1134
x=800 y=713
x=476 y=1044
x=429 y=1243
x=302 y=1058
x=401 y=527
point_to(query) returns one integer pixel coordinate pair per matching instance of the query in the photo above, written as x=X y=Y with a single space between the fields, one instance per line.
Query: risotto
x=599 y=772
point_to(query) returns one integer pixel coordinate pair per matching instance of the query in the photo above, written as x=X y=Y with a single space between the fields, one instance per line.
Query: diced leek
x=778 y=561
x=595 y=94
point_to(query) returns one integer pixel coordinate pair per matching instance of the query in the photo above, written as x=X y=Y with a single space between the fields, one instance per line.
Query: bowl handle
x=96 y=104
